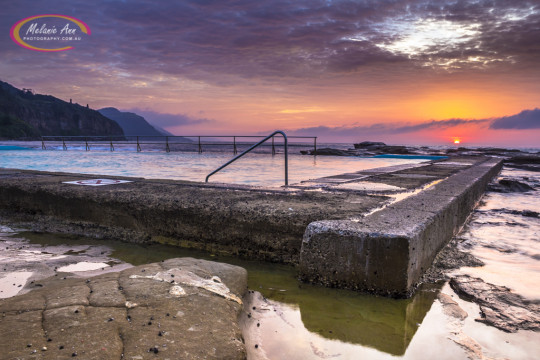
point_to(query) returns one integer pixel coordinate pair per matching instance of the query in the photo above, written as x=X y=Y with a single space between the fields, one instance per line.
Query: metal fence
x=197 y=143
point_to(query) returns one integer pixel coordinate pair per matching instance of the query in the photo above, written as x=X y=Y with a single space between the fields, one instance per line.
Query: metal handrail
x=253 y=147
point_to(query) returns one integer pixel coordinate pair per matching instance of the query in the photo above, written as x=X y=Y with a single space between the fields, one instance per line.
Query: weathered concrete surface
x=388 y=251
x=128 y=315
x=241 y=221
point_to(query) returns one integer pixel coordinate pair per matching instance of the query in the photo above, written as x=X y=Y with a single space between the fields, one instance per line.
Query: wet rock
x=451 y=308
x=449 y=258
x=382 y=148
x=509 y=185
x=331 y=152
x=369 y=145
x=526 y=213
x=498 y=305
x=524 y=159
x=49 y=313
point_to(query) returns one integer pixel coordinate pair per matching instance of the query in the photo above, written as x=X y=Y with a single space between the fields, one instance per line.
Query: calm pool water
x=259 y=169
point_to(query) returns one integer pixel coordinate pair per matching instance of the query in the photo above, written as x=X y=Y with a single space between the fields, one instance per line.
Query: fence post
x=273 y=147
x=167 y=149
x=200 y=147
x=86 y=144
x=43 y=147
x=315 y=144
x=234 y=148
x=64 y=147
x=112 y=146
x=138 y=145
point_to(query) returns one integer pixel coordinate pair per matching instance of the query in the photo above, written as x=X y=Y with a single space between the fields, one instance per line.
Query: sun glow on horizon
x=457 y=141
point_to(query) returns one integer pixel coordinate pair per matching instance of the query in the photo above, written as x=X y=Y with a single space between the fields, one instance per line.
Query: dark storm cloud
x=209 y=40
x=385 y=128
x=527 y=119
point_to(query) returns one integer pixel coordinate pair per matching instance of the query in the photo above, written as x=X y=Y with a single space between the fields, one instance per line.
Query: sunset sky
x=403 y=72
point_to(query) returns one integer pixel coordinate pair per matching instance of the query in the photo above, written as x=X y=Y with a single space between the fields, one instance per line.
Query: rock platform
x=164 y=310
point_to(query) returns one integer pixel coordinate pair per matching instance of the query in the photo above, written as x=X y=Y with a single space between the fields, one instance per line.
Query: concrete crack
x=121 y=336
x=43 y=324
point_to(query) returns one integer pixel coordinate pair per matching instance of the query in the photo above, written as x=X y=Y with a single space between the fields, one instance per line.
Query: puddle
x=453 y=163
x=83 y=266
x=401 y=196
x=13 y=282
x=368 y=186
x=338 y=324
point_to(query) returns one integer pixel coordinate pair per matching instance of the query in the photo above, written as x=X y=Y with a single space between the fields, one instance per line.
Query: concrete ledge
x=240 y=221
x=388 y=251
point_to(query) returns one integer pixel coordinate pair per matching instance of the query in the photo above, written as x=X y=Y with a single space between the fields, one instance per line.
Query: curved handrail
x=253 y=147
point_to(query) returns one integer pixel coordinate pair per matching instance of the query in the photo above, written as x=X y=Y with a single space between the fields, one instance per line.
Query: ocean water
x=258 y=169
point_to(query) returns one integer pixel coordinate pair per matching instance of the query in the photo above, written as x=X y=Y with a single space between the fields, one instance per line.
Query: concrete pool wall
x=388 y=251
x=320 y=225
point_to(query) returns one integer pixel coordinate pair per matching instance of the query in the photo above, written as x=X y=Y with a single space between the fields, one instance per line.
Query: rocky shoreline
x=515 y=158
x=499 y=306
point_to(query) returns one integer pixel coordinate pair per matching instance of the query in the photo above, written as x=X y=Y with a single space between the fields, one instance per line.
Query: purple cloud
x=527 y=119
x=384 y=128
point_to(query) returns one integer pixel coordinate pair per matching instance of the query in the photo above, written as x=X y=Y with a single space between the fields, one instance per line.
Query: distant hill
x=162 y=130
x=24 y=114
x=131 y=123
x=134 y=124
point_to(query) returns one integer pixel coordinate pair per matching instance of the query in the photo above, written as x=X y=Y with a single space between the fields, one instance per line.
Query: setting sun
x=456 y=141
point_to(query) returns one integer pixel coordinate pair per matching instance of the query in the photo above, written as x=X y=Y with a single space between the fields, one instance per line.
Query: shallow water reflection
x=387 y=325
x=504 y=232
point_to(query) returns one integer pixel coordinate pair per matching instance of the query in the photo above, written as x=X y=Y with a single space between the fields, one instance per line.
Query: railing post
x=273 y=147
x=64 y=147
x=112 y=146
x=43 y=147
x=200 y=146
x=234 y=148
x=315 y=144
x=286 y=145
x=138 y=145
x=86 y=144
x=167 y=149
